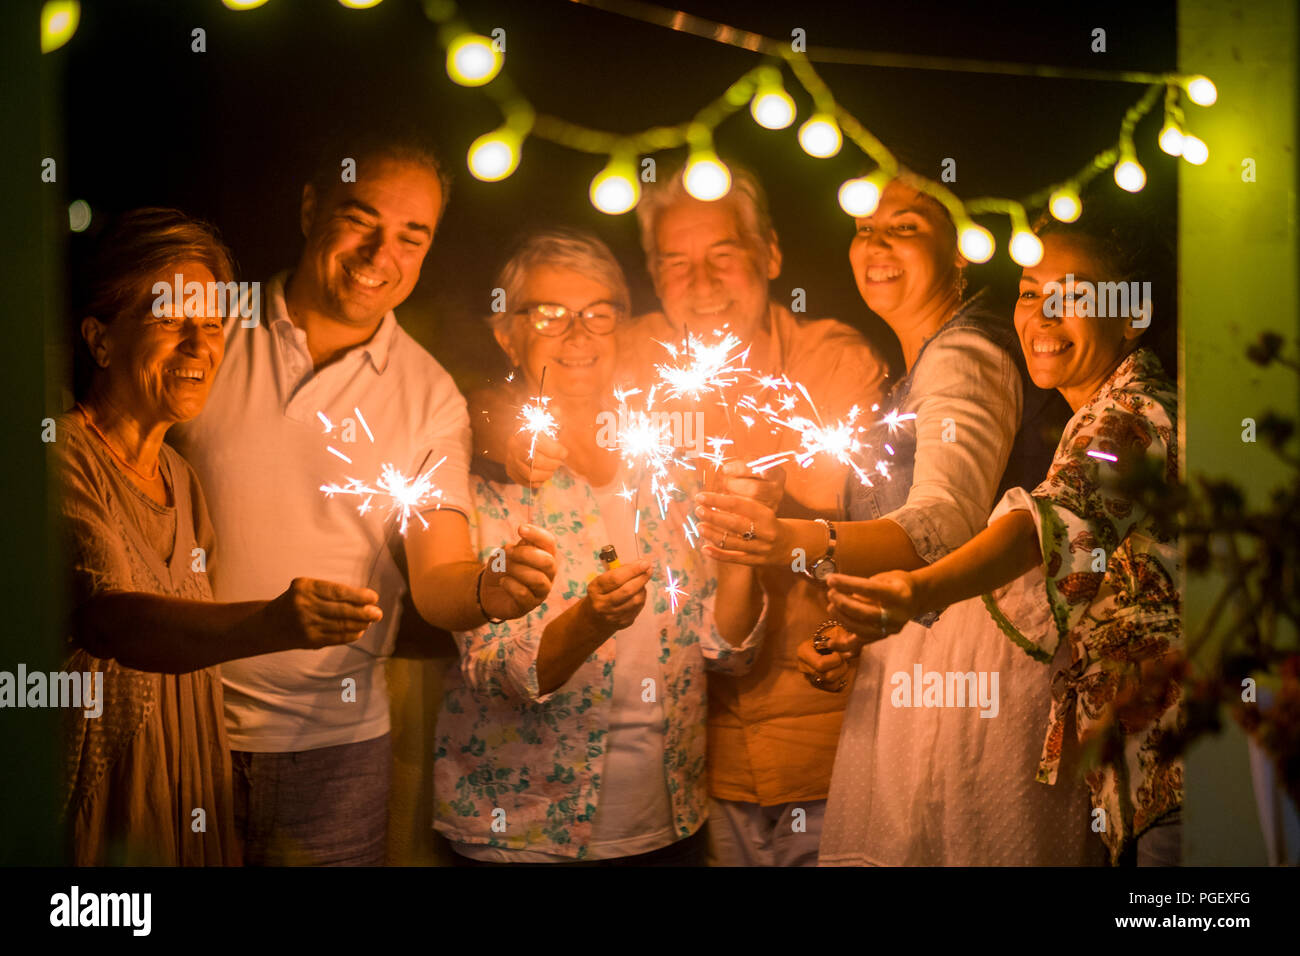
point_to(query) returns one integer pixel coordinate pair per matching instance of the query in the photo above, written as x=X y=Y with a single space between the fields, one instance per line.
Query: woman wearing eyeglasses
x=577 y=733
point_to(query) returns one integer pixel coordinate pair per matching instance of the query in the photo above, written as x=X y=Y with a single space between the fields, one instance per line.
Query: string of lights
x=475 y=60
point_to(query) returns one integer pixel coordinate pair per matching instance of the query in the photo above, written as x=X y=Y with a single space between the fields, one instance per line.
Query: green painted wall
x=1238 y=268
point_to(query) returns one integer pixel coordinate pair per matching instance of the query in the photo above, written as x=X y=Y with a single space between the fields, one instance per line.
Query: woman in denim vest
x=934 y=457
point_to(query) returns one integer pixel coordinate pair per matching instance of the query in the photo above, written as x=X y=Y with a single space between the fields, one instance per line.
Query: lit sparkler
x=537 y=418
x=674 y=590
x=404 y=496
x=711 y=365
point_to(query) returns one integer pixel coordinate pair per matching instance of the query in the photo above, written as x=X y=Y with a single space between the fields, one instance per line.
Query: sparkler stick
x=537 y=420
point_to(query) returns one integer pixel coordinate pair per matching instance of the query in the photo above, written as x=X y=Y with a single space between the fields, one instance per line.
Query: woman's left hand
x=874 y=607
x=740 y=526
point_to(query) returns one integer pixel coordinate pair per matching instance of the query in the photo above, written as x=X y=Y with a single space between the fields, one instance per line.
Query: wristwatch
x=824 y=566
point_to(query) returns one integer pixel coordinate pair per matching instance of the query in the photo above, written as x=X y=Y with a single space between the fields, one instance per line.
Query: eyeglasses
x=550 y=319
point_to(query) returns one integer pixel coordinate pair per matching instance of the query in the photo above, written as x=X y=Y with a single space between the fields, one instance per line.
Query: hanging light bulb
x=615 y=188
x=820 y=136
x=242 y=4
x=1194 y=150
x=772 y=107
x=1201 y=91
x=59 y=20
x=1065 y=204
x=359 y=4
x=495 y=155
x=974 y=242
x=706 y=177
x=1171 y=139
x=472 y=60
x=1026 y=248
x=859 y=197
x=1130 y=175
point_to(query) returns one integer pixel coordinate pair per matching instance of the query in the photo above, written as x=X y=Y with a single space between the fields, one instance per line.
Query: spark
x=1106 y=456
x=673 y=590
x=537 y=420
x=716 y=457
x=711 y=365
x=405 y=495
x=691 y=530
x=362 y=419
x=895 y=420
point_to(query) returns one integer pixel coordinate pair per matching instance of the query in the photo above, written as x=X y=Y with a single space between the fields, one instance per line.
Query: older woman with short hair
x=577 y=733
x=149 y=781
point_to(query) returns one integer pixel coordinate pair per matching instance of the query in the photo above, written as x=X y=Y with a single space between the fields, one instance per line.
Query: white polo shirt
x=262 y=455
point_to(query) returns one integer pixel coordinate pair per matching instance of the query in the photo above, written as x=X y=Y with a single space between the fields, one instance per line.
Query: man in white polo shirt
x=327 y=387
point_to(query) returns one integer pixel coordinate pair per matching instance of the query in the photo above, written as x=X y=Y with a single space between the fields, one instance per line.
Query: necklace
x=85 y=416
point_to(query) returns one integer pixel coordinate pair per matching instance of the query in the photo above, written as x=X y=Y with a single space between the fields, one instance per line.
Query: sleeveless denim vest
x=886 y=495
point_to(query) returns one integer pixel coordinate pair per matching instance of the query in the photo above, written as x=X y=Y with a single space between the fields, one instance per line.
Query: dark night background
x=229 y=134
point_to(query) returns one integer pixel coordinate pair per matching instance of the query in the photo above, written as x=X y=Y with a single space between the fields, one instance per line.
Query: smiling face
x=159 y=369
x=1072 y=354
x=579 y=366
x=707 y=271
x=904 y=256
x=367 y=240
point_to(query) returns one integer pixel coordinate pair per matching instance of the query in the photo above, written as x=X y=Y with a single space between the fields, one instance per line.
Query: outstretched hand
x=872 y=608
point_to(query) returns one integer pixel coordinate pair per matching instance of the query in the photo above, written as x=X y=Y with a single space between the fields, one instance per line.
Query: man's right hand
x=548 y=455
x=312 y=614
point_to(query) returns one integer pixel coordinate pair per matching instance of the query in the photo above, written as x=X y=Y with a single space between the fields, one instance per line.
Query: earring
x=961 y=285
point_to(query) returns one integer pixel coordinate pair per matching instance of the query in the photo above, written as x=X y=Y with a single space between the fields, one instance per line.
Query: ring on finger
x=751 y=534
x=723 y=543
x=884 y=620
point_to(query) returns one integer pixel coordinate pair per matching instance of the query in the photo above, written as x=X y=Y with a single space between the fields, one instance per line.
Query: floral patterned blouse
x=1114 y=620
x=501 y=745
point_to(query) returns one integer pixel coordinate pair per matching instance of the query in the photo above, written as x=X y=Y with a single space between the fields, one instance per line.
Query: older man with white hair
x=772 y=736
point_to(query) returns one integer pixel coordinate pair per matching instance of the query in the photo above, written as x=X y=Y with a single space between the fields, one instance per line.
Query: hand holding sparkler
x=872 y=608
x=312 y=614
x=548 y=454
x=740 y=526
x=529 y=568
x=615 y=597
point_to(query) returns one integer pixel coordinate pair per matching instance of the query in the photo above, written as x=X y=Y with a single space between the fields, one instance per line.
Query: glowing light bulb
x=472 y=61
x=360 y=4
x=975 y=243
x=495 y=155
x=1065 y=204
x=820 y=136
x=859 y=197
x=59 y=20
x=1171 y=140
x=615 y=189
x=706 y=177
x=772 y=108
x=1130 y=175
x=1194 y=150
x=1026 y=248
x=1201 y=91
x=242 y=4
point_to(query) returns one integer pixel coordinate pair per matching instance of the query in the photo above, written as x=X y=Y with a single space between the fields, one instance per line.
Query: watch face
x=823 y=569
